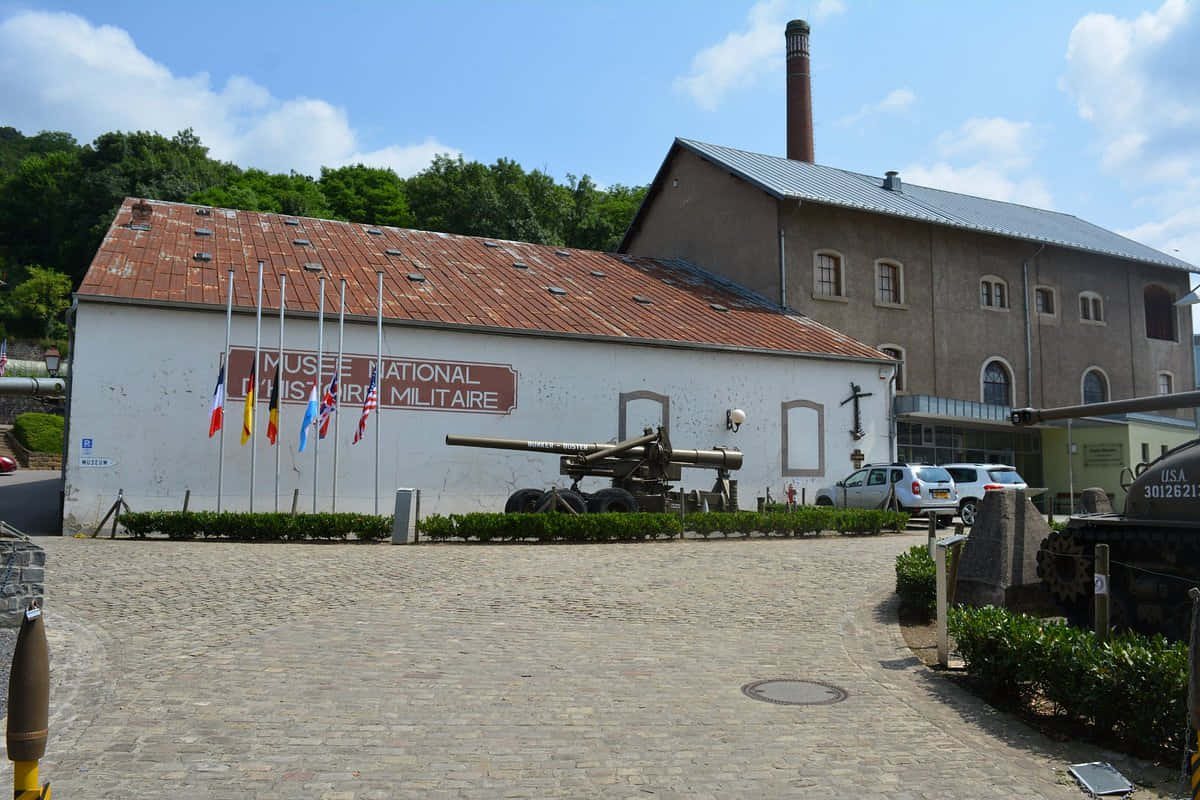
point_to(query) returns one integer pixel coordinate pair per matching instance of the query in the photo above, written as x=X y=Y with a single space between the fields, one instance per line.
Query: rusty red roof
x=180 y=254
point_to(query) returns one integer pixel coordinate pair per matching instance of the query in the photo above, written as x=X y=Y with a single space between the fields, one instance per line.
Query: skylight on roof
x=292 y=222
x=391 y=251
x=416 y=277
x=203 y=256
x=562 y=253
x=312 y=266
x=202 y=212
x=138 y=226
x=557 y=290
x=718 y=307
x=641 y=298
x=302 y=242
x=520 y=265
x=203 y=231
x=490 y=244
x=598 y=274
x=374 y=232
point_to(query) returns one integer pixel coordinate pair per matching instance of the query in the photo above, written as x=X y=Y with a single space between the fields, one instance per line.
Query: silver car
x=916 y=488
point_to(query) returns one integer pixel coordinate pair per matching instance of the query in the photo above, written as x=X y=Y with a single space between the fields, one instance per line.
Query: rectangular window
x=1145 y=452
x=829 y=282
x=1044 y=301
x=1097 y=311
x=1162 y=450
x=985 y=293
x=1085 y=308
x=1001 y=302
x=889 y=284
x=1164 y=383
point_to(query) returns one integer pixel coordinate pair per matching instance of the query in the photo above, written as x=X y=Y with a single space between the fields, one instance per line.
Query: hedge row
x=550 y=527
x=1132 y=688
x=916 y=581
x=41 y=433
x=632 y=527
x=804 y=520
x=256 y=527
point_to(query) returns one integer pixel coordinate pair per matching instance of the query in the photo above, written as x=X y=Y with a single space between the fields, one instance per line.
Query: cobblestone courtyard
x=215 y=670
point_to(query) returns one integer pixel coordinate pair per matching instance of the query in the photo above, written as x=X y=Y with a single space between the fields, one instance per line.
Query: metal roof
x=800 y=180
x=437 y=279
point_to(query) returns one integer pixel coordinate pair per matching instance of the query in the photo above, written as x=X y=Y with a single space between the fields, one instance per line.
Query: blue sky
x=1092 y=108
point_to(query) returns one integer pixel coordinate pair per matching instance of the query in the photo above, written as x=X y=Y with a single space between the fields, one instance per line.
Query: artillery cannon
x=640 y=470
x=1156 y=539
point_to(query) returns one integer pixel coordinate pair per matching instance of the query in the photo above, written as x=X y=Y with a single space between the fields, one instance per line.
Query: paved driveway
x=207 y=670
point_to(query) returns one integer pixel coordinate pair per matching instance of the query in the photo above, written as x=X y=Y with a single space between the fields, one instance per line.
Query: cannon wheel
x=612 y=500
x=523 y=501
x=572 y=499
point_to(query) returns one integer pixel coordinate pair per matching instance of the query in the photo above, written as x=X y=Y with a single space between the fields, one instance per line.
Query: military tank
x=1154 y=545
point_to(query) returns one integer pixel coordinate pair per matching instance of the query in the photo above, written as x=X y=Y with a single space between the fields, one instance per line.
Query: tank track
x=1142 y=601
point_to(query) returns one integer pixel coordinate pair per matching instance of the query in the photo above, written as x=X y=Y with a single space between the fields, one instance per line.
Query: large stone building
x=482 y=337
x=988 y=304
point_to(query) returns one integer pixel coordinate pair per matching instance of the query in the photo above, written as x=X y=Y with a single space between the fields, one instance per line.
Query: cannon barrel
x=718 y=457
x=1161 y=402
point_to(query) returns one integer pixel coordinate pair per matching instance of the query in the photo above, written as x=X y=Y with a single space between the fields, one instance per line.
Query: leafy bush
x=41 y=433
x=258 y=527
x=916 y=580
x=1132 y=688
x=800 y=522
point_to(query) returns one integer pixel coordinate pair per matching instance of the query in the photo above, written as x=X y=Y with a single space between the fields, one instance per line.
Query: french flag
x=218 y=404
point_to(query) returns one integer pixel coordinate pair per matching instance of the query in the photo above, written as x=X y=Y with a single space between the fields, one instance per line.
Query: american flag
x=328 y=406
x=369 y=405
x=3 y=357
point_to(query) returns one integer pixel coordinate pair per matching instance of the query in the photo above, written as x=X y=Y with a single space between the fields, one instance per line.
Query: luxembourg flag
x=218 y=405
x=310 y=414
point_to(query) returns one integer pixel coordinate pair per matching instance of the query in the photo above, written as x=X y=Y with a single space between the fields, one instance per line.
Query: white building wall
x=144 y=379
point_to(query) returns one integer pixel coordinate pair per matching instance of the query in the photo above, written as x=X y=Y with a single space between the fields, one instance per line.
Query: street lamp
x=52 y=359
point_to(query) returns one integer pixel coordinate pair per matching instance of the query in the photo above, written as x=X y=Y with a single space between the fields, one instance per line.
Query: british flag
x=328 y=406
x=369 y=405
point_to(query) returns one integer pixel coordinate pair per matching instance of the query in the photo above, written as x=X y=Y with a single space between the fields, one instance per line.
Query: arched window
x=993 y=292
x=1091 y=308
x=896 y=352
x=1095 y=386
x=1044 y=301
x=997 y=383
x=828 y=277
x=1160 y=313
x=1166 y=383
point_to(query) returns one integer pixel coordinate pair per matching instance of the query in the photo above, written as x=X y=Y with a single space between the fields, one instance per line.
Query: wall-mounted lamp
x=52 y=357
x=734 y=417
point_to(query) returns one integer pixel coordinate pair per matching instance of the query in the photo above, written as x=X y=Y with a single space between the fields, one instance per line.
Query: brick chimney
x=799 y=93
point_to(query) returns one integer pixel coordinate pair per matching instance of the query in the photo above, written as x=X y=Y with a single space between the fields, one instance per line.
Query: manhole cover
x=792 y=692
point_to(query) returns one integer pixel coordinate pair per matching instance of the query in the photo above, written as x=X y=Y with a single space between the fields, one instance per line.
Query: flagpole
x=225 y=392
x=280 y=374
x=336 y=416
x=254 y=373
x=378 y=378
x=320 y=355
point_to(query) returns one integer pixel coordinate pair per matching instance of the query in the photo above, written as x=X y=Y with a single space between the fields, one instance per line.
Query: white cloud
x=59 y=72
x=987 y=157
x=741 y=59
x=1135 y=81
x=896 y=100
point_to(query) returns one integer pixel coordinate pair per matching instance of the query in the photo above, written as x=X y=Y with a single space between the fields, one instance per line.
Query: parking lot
x=215 y=670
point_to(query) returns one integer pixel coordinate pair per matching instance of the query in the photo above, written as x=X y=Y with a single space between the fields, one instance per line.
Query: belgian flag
x=248 y=413
x=273 y=409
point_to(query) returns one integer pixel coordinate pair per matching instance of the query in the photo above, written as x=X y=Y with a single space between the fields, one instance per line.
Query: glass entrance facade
x=935 y=443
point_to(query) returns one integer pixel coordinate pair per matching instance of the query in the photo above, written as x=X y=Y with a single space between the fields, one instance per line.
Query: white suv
x=915 y=488
x=975 y=480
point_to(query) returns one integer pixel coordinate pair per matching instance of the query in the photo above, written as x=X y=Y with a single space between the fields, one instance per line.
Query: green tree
x=40 y=300
x=366 y=194
x=255 y=190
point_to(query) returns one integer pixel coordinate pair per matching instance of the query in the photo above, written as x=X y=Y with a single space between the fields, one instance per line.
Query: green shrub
x=41 y=433
x=257 y=527
x=1132 y=688
x=916 y=581
x=802 y=521
x=550 y=527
